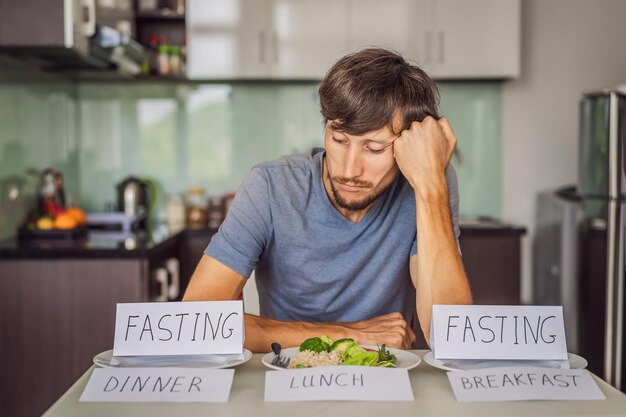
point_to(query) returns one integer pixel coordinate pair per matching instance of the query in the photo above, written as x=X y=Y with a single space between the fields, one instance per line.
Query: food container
x=196 y=209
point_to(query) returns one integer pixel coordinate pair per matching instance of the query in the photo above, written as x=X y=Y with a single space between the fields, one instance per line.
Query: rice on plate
x=323 y=351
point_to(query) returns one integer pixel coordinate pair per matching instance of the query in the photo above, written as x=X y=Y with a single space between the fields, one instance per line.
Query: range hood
x=63 y=36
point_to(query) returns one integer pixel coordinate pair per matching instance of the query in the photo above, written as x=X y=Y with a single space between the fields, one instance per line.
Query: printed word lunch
x=342 y=379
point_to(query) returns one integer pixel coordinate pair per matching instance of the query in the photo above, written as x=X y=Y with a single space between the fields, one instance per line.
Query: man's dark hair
x=367 y=90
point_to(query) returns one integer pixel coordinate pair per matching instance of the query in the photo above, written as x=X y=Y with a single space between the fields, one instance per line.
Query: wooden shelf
x=158 y=15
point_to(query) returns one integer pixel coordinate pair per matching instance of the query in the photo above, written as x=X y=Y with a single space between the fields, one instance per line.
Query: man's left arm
x=423 y=153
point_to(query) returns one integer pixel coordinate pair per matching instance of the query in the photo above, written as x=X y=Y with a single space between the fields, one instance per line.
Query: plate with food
x=107 y=360
x=574 y=362
x=323 y=351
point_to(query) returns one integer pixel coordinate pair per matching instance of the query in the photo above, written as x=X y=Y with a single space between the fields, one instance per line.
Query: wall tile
x=184 y=135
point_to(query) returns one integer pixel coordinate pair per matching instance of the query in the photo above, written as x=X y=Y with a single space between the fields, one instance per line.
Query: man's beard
x=354 y=205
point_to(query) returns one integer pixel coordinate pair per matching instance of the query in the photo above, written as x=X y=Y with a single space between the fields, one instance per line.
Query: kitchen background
x=518 y=131
x=516 y=137
x=200 y=135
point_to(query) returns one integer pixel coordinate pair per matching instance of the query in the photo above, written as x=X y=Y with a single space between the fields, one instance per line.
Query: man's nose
x=354 y=163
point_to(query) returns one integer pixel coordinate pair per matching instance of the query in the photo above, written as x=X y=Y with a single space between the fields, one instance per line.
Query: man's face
x=358 y=169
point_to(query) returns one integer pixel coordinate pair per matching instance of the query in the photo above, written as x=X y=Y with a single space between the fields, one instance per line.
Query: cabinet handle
x=89 y=18
x=442 y=46
x=160 y=276
x=173 y=267
x=428 y=42
x=262 y=46
x=275 y=45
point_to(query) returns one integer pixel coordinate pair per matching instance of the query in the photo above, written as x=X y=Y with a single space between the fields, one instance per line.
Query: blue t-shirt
x=310 y=262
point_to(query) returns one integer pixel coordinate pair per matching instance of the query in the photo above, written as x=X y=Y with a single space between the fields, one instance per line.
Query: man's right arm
x=214 y=281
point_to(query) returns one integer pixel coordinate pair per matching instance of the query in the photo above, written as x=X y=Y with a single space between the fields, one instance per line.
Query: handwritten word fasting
x=183 y=328
x=491 y=329
x=498 y=332
x=196 y=326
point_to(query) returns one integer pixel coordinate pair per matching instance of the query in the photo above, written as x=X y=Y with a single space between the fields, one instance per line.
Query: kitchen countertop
x=111 y=245
x=97 y=245
x=431 y=389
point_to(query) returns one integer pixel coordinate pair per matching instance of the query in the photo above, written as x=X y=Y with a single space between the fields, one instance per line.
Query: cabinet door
x=55 y=316
x=402 y=25
x=477 y=39
x=307 y=36
x=227 y=39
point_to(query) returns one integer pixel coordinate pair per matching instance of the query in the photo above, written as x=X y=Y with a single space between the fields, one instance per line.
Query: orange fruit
x=77 y=214
x=65 y=221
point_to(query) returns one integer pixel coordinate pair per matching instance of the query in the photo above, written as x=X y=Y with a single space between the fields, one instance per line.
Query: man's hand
x=423 y=152
x=390 y=329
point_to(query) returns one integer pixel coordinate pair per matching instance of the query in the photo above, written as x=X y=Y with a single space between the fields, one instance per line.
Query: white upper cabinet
x=476 y=39
x=401 y=25
x=301 y=39
x=227 y=39
x=307 y=36
x=298 y=39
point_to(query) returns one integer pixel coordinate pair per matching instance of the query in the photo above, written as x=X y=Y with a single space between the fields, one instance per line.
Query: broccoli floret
x=327 y=340
x=315 y=344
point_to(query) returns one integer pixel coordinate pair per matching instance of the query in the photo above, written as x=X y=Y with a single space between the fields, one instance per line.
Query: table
x=433 y=397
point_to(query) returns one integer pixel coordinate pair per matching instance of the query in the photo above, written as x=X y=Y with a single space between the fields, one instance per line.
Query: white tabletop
x=433 y=397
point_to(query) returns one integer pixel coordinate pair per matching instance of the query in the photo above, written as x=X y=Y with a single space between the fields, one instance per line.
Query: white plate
x=406 y=360
x=575 y=362
x=103 y=360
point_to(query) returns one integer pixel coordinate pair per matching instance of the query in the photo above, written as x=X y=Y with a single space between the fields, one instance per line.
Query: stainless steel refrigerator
x=579 y=240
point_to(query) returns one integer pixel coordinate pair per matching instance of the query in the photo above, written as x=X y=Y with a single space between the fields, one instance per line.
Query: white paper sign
x=159 y=385
x=358 y=383
x=184 y=328
x=498 y=332
x=524 y=383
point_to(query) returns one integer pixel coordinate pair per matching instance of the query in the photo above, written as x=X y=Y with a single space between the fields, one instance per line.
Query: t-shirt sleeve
x=453 y=191
x=243 y=236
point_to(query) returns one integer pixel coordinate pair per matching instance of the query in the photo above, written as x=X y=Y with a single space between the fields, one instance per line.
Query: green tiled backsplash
x=195 y=135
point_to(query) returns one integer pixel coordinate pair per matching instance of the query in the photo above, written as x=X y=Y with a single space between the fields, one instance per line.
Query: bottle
x=175 y=62
x=183 y=56
x=164 y=60
x=175 y=215
x=153 y=51
x=195 y=208
x=215 y=213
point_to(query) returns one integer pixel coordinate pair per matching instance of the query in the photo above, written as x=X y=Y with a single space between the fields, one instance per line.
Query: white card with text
x=498 y=332
x=524 y=383
x=326 y=383
x=179 y=328
x=158 y=385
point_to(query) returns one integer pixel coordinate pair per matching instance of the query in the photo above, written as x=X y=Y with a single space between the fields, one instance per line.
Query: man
x=353 y=239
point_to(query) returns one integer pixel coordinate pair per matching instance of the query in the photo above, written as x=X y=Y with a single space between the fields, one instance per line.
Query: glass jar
x=215 y=213
x=195 y=208
x=175 y=213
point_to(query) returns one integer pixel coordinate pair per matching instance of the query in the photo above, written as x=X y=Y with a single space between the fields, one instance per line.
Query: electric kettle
x=134 y=197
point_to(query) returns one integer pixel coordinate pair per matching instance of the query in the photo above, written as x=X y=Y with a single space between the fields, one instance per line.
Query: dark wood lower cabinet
x=493 y=265
x=55 y=315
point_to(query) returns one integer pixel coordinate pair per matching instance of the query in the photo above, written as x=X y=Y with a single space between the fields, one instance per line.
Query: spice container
x=175 y=213
x=215 y=213
x=195 y=208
